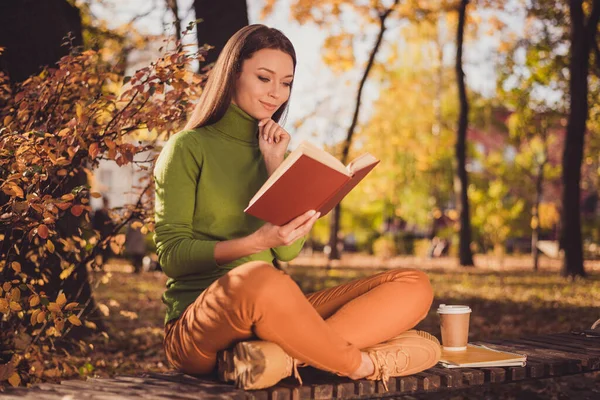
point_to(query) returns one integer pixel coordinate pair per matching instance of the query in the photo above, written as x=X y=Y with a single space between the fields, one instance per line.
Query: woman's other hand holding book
x=269 y=236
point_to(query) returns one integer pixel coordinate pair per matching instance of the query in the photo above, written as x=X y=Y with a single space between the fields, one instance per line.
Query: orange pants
x=325 y=329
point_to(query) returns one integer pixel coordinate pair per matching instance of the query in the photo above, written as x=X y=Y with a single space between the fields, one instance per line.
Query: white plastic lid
x=458 y=309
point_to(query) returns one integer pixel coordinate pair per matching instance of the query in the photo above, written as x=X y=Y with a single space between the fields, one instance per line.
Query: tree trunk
x=582 y=35
x=220 y=20
x=461 y=181
x=535 y=216
x=334 y=224
x=32 y=33
x=174 y=7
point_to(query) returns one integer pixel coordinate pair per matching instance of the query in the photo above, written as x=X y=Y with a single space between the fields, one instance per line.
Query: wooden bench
x=547 y=356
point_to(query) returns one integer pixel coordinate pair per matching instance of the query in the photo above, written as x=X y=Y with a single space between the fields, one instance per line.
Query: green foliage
x=495 y=213
x=415 y=174
x=385 y=247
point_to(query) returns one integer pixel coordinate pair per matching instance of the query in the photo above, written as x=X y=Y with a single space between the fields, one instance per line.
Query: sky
x=328 y=99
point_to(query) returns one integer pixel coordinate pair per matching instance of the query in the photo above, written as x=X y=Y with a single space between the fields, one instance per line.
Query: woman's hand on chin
x=273 y=140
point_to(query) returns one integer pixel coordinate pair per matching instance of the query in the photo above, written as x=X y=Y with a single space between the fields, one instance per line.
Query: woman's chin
x=262 y=115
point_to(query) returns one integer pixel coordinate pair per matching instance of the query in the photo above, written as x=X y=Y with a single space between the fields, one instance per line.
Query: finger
x=265 y=130
x=279 y=134
x=261 y=128
x=283 y=136
x=296 y=222
x=303 y=230
x=272 y=128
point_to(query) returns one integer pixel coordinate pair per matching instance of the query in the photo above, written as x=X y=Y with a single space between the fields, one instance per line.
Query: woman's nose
x=274 y=92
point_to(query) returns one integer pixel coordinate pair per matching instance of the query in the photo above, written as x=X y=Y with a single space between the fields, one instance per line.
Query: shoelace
x=383 y=367
x=292 y=368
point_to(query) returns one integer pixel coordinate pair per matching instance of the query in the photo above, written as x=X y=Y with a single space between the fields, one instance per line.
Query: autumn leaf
x=4 y=306
x=15 y=306
x=34 y=301
x=90 y=324
x=67 y=197
x=16 y=266
x=136 y=224
x=42 y=231
x=103 y=309
x=59 y=324
x=50 y=246
x=76 y=210
x=63 y=206
x=34 y=315
x=93 y=150
x=74 y=320
x=55 y=308
x=71 y=306
x=79 y=110
x=61 y=300
x=109 y=143
x=15 y=379
x=41 y=317
x=64 y=132
x=67 y=272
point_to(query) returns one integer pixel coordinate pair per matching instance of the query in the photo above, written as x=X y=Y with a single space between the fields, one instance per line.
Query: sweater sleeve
x=288 y=253
x=176 y=175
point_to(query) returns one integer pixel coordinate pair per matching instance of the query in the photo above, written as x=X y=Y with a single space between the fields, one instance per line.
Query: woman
x=224 y=292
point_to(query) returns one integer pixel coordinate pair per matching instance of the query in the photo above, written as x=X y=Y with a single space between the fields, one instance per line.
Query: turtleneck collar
x=239 y=125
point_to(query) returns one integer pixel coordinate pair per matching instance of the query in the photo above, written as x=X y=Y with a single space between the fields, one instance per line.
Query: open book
x=481 y=356
x=308 y=179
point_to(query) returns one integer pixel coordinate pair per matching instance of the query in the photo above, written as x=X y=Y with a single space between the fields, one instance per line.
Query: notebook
x=481 y=356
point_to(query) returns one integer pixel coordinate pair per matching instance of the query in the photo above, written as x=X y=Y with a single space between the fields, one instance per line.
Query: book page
x=361 y=162
x=322 y=156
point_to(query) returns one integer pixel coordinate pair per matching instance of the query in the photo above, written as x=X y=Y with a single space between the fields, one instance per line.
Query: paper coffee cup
x=454 y=321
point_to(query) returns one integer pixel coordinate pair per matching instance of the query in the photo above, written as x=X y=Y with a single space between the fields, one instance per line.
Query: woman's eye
x=262 y=78
x=287 y=84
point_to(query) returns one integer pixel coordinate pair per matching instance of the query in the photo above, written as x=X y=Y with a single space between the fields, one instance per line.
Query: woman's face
x=264 y=83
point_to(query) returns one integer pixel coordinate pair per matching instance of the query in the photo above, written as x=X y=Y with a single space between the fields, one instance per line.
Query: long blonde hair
x=218 y=92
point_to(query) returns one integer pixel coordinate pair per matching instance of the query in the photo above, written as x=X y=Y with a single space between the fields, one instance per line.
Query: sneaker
x=406 y=354
x=256 y=364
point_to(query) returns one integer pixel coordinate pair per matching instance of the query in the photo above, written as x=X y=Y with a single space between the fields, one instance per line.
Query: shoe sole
x=242 y=365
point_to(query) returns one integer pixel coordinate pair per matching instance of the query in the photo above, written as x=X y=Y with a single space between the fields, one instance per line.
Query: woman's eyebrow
x=273 y=72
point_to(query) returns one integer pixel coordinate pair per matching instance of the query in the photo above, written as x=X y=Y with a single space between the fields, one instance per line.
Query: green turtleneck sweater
x=204 y=180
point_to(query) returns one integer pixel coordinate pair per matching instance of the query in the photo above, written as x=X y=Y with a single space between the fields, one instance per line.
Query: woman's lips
x=268 y=106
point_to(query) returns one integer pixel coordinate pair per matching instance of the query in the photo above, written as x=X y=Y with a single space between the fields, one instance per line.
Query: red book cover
x=306 y=185
x=345 y=189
